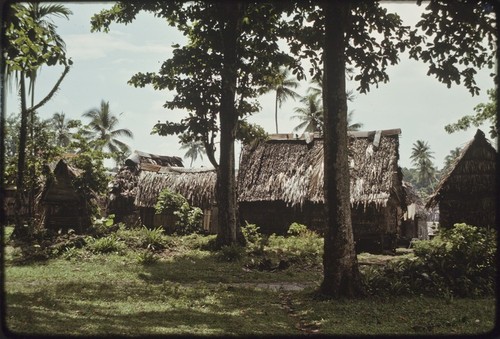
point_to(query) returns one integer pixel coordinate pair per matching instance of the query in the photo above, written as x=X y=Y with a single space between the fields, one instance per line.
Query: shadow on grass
x=210 y=269
x=134 y=309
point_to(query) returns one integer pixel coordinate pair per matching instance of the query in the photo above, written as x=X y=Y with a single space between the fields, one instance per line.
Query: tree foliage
x=484 y=112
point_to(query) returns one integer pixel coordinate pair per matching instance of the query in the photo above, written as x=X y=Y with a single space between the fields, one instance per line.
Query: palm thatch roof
x=152 y=162
x=123 y=188
x=473 y=173
x=196 y=185
x=58 y=185
x=290 y=169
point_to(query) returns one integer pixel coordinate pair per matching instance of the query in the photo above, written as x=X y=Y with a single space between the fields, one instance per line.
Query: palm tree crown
x=103 y=127
x=284 y=86
x=194 y=149
x=310 y=114
x=421 y=156
x=62 y=129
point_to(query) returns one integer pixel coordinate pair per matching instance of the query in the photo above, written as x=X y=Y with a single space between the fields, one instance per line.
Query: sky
x=103 y=63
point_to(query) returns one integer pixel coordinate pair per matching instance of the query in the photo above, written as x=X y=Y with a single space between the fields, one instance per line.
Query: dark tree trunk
x=19 y=229
x=341 y=273
x=276 y=112
x=231 y=13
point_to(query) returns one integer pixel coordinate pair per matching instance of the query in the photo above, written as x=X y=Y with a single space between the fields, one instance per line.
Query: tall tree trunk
x=276 y=112
x=226 y=180
x=19 y=230
x=341 y=273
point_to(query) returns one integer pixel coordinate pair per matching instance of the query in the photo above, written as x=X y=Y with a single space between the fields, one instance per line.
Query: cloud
x=100 y=45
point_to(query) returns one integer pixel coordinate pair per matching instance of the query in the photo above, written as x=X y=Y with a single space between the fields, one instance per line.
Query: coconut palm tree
x=450 y=159
x=102 y=127
x=353 y=126
x=316 y=89
x=62 y=128
x=284 y=86
x=194 y=149
x=421 y=156
x=310 y=114
x=32 y=21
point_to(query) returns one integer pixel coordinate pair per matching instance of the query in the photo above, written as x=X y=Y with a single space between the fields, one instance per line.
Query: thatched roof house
x=196 y=185
x=414 y=223
x=61 y=204
x=281 y=181
x=467 y=192
x=123 y=188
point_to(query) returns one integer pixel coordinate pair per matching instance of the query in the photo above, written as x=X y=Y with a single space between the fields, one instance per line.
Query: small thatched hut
x=414 y=223
x=196 y=185
x=467 y=192
x=62 y=206
x=280 y=181
x=123 y=188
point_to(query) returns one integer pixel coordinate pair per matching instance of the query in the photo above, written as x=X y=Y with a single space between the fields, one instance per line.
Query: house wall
x=476 y=211
x=65 y=216
x=276 y=217
x=374 y=229
x=150 y=219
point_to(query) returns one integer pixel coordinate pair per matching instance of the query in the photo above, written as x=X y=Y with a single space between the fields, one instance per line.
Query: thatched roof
x=290 y=169
x=152 y=162
x=472 y=174
x=123 y=188
x=196 y=185
x=58 y=185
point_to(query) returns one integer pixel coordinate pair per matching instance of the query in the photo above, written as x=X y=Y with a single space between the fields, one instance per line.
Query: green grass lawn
x=191 y=291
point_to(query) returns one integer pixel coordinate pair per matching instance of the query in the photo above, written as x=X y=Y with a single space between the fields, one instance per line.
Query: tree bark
x=19 y=229
x=341 y=273
x=226 y=181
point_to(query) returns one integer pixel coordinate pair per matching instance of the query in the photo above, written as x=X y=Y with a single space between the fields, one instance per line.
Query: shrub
x=303 y=246
x=231 y=253
x=107 y=244
x=152 y=238
x=189 y=219
x=458 y=262
x=255 y=242
x=147 y=257
x=103 y=225
x=296 y=229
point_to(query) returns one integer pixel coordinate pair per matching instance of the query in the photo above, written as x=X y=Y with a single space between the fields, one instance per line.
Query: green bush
x=303 y=246
x=152 y=238
x=231 y=253
x=147 y=257
x=459 y=262
x=296 y=229
x=189 y=219
x=255 y=242
x=108 y=244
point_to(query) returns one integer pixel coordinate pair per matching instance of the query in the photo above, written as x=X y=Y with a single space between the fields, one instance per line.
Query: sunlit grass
x=190 y=291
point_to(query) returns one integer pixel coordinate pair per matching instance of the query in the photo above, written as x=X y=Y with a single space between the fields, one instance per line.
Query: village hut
x=414 y=222
x=62 y=205
x=122 y=190
x=467 y=192
x=196 y=185
x=280 y=181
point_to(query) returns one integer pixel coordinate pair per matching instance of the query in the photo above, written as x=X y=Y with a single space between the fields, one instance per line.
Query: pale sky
x=103 y=63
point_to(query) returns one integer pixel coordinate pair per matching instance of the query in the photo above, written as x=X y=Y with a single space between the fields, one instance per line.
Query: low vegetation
x=139 y=281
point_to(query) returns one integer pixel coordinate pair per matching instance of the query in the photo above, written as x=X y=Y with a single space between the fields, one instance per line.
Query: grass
x=190 y=291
